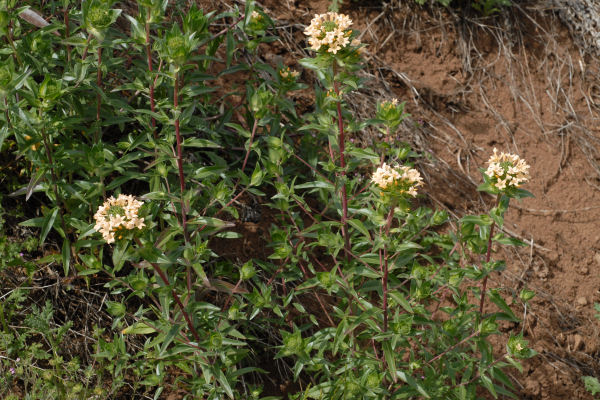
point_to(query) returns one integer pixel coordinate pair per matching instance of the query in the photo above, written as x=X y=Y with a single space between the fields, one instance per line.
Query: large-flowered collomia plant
x=142 y=161
x=393 y=284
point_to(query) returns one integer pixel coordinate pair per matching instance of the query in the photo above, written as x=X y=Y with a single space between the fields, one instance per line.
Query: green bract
x=98 y=17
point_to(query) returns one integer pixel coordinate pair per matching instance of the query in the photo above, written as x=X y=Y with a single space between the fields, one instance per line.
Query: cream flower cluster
x=405 y=178
x=507 y=170
x=116 y=215
x=331 y=30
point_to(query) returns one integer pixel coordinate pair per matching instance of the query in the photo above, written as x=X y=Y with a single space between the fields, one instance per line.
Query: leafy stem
x=150 y=69
x=180 y=159
x=341 y=145
x=488 y=255
x=99 y=96
x=165 y=280
x=384 y=279
x=57 y=196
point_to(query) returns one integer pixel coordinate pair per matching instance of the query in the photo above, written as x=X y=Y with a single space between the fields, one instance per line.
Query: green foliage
x=42 y=371
x=360 y=294
x=591 y=384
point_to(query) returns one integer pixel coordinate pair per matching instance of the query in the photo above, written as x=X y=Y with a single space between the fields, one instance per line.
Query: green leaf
x=508 y=241
x=257 y=176
x=360 y=227
x=316 y=184
x=210 y=221
x=499 y=301
x=119 y=255
x=200 y=143
x=33 y=184
x=481 y=220
x=391 y=360
x=169 y=338
x=224 y=382
x=412 y=383
x=139 y=328
x=489 y=385
x=522 y=193
x=230 y=48
x=47 y=225
x=66 y=256
x=399 y=298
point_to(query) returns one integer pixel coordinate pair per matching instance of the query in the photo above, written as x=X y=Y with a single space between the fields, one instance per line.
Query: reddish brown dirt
x=517 y=83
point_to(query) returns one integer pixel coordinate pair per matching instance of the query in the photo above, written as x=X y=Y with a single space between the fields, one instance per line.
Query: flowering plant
x=344 y=286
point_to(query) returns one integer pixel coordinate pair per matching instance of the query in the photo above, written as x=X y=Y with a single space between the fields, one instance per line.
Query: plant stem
x=98 y=96
x=342 y=144
x=59 y=201
x=149 y=57
x=384 y=279
x=87 y=46
x=488 y=255
x=67 y=33
x=180 y=158
x=9 y=124
x=165 y=279
x=12 y=44
x=254 y=126
x=471 y=336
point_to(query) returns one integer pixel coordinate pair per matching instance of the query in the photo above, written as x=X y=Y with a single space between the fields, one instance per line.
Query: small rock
x=597 y=258
x=584 y=270
x=578 y=342
x=582 y=301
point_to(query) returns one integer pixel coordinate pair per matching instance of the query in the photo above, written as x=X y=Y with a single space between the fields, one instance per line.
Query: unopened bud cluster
x=507 y=170
x=288 y=74
x=403 y=179
x=117 y=215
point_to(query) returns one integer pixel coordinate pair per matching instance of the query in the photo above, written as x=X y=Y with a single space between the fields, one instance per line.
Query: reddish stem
x=488 y=255
x=165 y=279
x=149 y=57
x=471 y=336
x=87 y=46
x=99 y=83
x=67 y=34
x=384 y=280
x=180 y=158
x=342 y=144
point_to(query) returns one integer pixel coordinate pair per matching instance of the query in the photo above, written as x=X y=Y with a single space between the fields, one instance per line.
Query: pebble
x=582 y=301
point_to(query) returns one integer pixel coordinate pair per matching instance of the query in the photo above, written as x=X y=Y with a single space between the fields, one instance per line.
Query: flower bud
x=247 y=271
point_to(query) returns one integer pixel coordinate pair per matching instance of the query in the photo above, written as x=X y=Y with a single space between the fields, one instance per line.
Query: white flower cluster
x=405 y=178
x=507 y=170
x=331 y=30
x=118 y=214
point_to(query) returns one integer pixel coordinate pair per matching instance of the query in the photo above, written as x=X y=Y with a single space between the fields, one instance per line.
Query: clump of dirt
x=517 y=82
